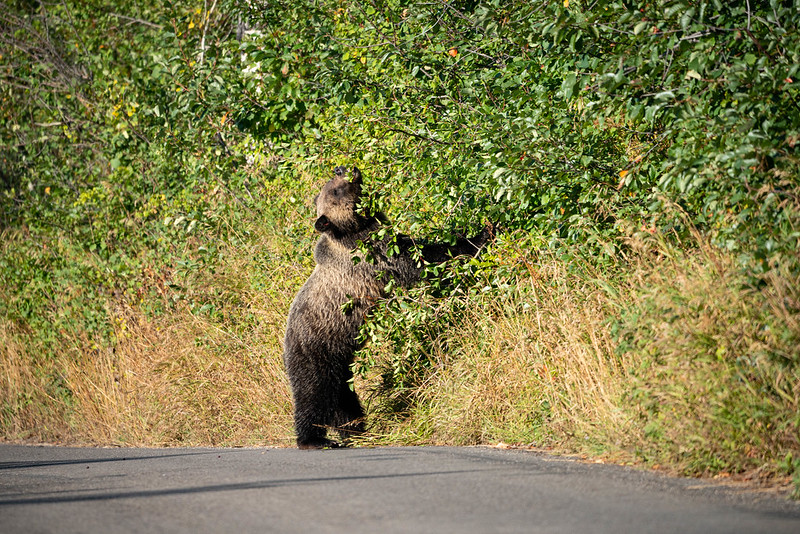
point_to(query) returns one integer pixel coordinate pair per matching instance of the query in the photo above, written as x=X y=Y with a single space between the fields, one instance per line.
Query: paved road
x=384 y=490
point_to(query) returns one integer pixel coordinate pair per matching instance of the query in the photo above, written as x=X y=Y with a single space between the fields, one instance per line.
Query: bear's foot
x=318 y=443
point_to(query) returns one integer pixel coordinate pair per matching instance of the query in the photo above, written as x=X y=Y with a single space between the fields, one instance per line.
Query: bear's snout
x=322 y=224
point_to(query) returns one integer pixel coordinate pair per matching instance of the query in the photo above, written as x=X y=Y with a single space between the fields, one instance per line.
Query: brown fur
x=321 y=338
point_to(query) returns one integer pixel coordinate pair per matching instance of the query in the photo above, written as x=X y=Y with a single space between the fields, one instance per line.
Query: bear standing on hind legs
x=321 y=337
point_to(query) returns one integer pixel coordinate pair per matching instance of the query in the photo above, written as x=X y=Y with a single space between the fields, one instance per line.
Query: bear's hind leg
x=311 y=435
x=350 y=416
x=311 y=418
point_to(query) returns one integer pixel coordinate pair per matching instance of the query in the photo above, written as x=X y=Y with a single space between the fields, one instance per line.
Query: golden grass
x=669 y=356
x=181 y=377
x=175 y=380
x=180 y=381
x=205 y=370
x=672 y=356
x=29 y=410
x=717 y=383
x=539 y=367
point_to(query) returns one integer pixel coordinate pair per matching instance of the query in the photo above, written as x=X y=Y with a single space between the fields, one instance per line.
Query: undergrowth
x=671 y=357
x=158 y=160
x=190 y=356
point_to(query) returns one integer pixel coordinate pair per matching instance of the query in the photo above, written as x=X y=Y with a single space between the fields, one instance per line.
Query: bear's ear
x=322 y=224
x=355 y=175
x=340 y=171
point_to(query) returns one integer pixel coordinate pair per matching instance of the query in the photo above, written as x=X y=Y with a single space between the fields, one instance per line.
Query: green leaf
x=569 y=85
x=664 y=96
x=640 y=27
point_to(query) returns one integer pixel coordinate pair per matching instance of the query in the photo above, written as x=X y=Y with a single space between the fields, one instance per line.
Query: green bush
x=141 y=146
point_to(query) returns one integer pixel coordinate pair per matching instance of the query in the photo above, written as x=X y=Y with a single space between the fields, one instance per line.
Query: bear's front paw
x=487 y=235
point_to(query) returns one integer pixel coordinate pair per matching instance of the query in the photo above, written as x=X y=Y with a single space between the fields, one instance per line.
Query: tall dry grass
x=180 y=380
x=206 y=369
x=670 y=354
x=177 y=379
x=538 y=366
x=29 y=409
x=673 y=356
x=717 y=384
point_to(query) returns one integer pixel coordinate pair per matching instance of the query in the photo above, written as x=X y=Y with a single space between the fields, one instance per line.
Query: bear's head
x=337 y=205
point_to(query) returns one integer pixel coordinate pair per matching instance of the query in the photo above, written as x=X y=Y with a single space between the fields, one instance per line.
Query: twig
x=418 y=136
x=132 y=20
x=206 y=20
x=748 y=15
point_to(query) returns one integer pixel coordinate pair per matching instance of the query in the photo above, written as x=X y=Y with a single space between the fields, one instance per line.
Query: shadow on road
x=215 y=488
x=51 y=463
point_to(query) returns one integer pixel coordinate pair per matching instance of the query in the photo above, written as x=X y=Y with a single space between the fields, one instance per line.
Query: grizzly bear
x=327 y=313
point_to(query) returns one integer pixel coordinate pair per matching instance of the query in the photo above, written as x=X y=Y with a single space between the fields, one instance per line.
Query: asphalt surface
x=383 y=490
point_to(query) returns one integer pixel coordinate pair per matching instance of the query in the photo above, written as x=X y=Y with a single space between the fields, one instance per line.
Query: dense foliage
x=566 y=118
x=142 y=145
